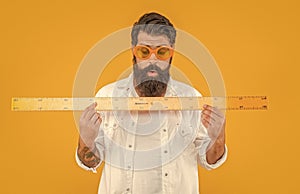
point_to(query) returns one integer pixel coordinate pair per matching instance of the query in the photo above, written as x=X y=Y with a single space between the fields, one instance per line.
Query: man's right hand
x=89 y=124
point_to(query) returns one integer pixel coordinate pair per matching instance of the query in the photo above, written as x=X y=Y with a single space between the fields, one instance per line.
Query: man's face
x=151 y=75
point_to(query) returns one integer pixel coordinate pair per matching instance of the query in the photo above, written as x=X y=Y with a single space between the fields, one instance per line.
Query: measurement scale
x=140 y=103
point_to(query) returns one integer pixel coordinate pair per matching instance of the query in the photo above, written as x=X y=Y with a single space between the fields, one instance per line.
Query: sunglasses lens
x=164 y=53
x=142 y=52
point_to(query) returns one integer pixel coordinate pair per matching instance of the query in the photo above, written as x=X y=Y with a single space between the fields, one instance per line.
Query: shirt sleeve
x=99 y=143
x=78 y=161
x=201 y=143
x=202 y=161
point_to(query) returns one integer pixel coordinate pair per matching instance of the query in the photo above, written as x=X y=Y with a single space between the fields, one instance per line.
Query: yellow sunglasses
x=161 y=52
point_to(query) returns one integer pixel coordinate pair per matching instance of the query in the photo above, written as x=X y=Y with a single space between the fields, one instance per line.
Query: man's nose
x=153 y=56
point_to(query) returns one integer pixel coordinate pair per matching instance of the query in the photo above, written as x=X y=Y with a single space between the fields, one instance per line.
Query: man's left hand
x=214 y=121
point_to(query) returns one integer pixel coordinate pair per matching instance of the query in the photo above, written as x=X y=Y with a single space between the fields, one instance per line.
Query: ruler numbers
x=144 y=103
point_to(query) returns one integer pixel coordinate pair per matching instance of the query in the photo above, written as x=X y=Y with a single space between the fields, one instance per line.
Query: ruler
x=140 y=103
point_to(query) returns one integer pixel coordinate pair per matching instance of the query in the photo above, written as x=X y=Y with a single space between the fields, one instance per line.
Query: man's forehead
x=147 y=39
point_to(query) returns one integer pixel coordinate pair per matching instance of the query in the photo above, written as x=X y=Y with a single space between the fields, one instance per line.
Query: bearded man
x=151 y=151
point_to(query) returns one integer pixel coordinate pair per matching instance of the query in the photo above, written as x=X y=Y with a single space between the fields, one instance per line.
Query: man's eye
x=144 y=51
x=163 y=51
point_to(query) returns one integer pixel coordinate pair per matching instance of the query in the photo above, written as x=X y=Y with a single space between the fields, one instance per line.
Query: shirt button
x=127 y=189
x=165 y=151
x=166 y=174
x=130 y=146
x=164 y=130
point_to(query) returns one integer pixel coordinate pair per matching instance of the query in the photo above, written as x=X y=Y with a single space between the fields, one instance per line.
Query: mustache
x=152 y=67
x=141 y=74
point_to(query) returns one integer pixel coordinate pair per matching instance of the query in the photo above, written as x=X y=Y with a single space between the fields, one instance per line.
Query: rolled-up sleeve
x=203 y=162
x=202 y=142
x=94 y=169
x=99 y=143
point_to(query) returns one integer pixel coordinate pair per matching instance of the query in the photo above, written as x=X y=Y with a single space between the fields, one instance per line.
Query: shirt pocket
x=109 y=126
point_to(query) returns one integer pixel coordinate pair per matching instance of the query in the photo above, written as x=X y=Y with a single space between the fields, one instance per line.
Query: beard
x=148 y=86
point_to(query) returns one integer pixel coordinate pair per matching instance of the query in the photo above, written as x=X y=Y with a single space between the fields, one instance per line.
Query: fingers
x=89 y=111
x=207 y=115
x=90 y=117
x=211 y=115
x=215 y=111
x=205 y=122
x=95 y=118
x=86 y=110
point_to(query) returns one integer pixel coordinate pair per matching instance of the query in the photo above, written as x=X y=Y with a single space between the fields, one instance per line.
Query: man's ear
x=173 y=47
x=133 y=60
x=170 y=62
x=133 y=57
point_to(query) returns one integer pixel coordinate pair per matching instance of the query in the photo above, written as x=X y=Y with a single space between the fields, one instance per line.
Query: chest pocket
x=188 y=129
x=109 y=125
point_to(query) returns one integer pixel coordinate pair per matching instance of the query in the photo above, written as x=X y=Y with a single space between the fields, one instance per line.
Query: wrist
x=90 y=144
x=89 y=156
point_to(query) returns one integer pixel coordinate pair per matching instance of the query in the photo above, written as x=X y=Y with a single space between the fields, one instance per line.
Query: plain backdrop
x=255 y=43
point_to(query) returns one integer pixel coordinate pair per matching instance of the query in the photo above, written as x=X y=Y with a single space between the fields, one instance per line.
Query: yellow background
x=255 y=43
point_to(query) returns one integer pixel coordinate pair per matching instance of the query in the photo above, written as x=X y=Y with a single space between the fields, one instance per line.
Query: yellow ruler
x=140 y=103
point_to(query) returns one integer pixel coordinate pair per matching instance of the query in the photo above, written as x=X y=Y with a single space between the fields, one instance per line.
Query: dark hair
x=154 y=24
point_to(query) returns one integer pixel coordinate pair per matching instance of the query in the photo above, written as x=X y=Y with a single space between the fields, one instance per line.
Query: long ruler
x=140 y=103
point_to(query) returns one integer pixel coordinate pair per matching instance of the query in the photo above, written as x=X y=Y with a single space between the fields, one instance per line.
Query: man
x=151 y=151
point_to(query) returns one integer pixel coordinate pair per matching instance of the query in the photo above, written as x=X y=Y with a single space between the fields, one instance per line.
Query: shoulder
x=183 y=89
x=112 y=88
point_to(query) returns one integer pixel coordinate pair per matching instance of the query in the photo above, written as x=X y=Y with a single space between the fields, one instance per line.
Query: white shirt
x=158 y=156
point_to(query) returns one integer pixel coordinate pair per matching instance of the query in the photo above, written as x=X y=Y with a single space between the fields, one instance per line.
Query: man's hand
x=214 y=121
x=89 y=125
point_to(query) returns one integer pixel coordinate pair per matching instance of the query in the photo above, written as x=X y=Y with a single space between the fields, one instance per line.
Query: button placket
x=165 y=155
x=164 y=143
x=129 y=163
x=164 y=133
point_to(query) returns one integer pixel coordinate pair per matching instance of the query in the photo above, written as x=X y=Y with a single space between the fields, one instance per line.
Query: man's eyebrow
x=146 y=44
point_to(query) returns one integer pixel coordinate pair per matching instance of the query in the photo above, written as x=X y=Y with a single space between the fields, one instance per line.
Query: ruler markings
x=142 y=103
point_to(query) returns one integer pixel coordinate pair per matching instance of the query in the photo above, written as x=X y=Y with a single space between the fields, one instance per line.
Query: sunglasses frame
x=153 y=51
